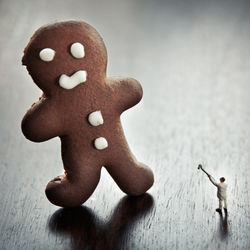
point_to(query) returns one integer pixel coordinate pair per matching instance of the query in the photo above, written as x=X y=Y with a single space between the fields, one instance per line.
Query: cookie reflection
x=87 y=231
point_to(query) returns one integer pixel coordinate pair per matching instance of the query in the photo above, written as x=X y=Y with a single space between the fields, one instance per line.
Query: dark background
x=193 y=61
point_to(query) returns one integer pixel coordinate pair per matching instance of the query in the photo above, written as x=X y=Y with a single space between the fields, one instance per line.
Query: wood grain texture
x=192 y=59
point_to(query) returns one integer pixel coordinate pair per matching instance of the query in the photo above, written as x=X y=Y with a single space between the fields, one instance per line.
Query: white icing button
x=95 y=118
x=47 y=54
x=101 y=143
x=69 y=82
x=77 y=50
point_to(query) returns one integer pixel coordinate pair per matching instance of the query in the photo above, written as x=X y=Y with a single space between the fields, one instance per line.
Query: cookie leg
x=72 y=190
x=133 y=177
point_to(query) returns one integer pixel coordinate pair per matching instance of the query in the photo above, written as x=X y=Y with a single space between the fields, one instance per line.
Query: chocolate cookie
x=81 y=105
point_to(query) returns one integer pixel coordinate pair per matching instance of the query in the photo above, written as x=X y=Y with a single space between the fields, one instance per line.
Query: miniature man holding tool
x=221 y=190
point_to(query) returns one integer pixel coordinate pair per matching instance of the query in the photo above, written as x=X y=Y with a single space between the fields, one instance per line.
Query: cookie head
x=65 y=55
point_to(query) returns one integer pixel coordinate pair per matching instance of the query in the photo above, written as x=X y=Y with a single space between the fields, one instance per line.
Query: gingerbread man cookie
x=81 y=105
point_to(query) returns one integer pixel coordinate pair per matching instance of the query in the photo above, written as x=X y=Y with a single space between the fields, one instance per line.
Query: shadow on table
x=223 y=227
x=87 y=231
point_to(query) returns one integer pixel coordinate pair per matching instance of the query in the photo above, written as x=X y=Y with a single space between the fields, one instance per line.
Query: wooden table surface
x=193 y=61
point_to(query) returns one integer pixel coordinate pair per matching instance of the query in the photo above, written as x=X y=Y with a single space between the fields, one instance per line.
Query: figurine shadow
x=223 y=227
x=87 y=231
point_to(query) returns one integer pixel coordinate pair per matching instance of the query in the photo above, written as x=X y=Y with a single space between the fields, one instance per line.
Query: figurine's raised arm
x=127 y=92
x=213 y=180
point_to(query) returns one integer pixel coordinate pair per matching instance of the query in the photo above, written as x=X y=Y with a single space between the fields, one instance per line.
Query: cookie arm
x=41 y=122
x=127 y=93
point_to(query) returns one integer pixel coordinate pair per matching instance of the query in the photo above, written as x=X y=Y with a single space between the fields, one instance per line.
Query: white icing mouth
x=69 y=82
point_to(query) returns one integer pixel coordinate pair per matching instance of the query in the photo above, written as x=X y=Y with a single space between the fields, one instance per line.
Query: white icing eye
x=77 y=50
x=95 y=118
x=101 y=143
x=47 y=54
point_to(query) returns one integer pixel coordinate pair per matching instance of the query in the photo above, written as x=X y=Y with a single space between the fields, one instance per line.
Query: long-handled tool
x=200 y=167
